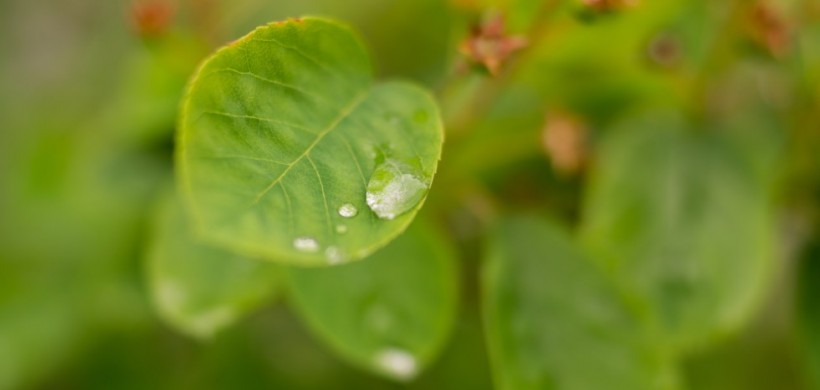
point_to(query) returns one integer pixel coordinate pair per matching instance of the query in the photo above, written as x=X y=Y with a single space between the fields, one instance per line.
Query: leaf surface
x=390 y=313
x=554 y=322
x=681 y=219
x=808 y=314
x=197 y=288
x=284 y=127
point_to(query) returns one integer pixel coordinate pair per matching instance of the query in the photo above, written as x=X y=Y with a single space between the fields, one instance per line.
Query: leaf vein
x=324 y=197
x=321 y=135
x=271 y=81
x=257 y=118
x=290 y=208
x=297 y=51
x=239 y=157
x=358 y=168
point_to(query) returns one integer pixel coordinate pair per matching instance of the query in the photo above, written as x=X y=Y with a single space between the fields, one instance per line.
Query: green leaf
x=391 y=29
x=390 y=313
x=197 y=288
x=284 y=127
x=808 y=313
x=681 y=219
x=554 y=322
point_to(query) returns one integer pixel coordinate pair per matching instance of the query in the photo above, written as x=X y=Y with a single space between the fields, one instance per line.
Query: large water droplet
x=399 y=363
x=348 y=210
x=306 y=244
x=394 y=189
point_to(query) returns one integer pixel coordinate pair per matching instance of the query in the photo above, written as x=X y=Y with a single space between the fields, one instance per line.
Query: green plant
x=574 y=194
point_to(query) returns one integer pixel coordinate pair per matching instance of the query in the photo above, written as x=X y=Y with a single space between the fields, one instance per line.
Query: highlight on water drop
x=334 y=255
x=397 y=362
x=348 y=210
x=394 y=189
x=306 y=244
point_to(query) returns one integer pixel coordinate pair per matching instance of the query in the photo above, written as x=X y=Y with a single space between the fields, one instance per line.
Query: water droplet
x=341 y=229
x=399 y=363
x=306 y=244
x=348 y=210
x=334 y=255
x=420 y=116
x=394 y=189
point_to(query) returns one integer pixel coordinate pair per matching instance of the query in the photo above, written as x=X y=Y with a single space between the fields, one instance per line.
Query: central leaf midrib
x=346 y=112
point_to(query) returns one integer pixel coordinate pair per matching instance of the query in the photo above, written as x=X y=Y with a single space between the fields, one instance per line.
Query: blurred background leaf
x=390 y=313
x=198 y=288
x=681 y=219
x=552 y=318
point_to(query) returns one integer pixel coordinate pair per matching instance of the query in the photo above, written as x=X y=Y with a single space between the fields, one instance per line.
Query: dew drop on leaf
x=341 y=229
x=334 y=255
x=348 y=210
x=397 y=362
x=394 y=189
x=306 y=244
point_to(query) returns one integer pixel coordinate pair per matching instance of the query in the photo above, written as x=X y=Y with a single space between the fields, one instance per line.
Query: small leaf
x=554 y=322
x=681 y=218
x=283 y=127
x=197 y=288
x=390 y=313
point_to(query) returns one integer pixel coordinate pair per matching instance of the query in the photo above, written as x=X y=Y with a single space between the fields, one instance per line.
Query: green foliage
x=681 y=219
x=198 y=288
x=323 y=137
x=809 y=317
x=551 y=316
x=627 y=198
x=391 y=313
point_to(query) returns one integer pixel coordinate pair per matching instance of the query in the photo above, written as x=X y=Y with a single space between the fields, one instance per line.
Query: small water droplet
x=420 y=116
x=334 y=255
x=348 y=210
x=394 y=189
x=341 y=229
x=306 y=244
x=399 y=363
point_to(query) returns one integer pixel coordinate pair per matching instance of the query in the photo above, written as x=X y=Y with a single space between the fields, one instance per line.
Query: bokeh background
x=88 y=105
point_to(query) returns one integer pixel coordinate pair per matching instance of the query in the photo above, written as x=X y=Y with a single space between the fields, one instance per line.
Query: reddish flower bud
x=564 y=139
x=770 y=29
x=151 y=18
x=609 y=5
x=489 y=46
